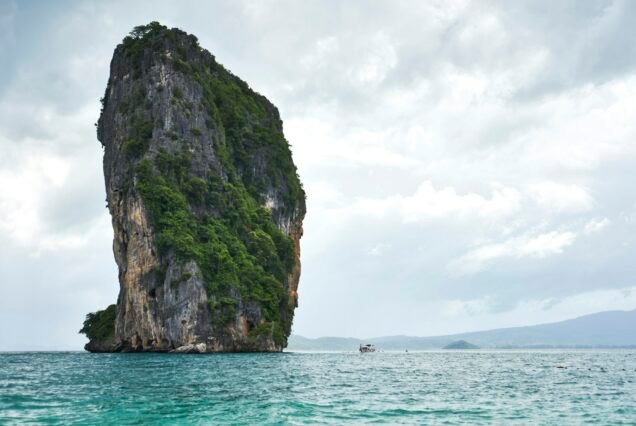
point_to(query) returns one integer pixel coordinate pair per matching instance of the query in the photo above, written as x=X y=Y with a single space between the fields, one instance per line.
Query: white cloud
x=320 y=54
x=375 y=64
x=378 y=249
x=595 y=301
x=561 y=198
x=583 y=303
x=546 y=244
x=596 y=225
x=428 y=203
x=322 y=144
x=584 y=128
x=473 y=307
x=537 y=246
x=22 y=190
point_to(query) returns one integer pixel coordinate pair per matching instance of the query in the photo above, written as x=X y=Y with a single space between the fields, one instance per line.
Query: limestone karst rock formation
x=206 y=204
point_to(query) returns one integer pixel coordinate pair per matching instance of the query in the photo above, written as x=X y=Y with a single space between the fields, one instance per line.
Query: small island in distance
x=460 y=345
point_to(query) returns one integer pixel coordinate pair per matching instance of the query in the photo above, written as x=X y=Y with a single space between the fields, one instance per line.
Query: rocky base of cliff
x=100 y=347
x=193 y=348
x=229 y=344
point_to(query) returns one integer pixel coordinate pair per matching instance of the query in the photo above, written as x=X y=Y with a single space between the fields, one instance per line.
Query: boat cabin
x=367 y=348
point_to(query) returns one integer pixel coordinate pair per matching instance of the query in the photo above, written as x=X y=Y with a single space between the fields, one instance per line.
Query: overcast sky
x=467 y=165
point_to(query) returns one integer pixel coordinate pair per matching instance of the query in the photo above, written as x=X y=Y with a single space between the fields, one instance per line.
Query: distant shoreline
x=603 y=330
x=335 y=351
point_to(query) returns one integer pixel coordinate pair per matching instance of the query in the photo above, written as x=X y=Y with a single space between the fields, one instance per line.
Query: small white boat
x=367 y=348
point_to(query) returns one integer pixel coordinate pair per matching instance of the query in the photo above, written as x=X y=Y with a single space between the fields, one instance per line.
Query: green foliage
x=138 y=96
x=134 y=147
x=254 y=133
x=124 y=107
x=196 y=189
x=141 y=38
x=140 y=126
x=140 y=135
x=239 y=250
x=100 y=325
x=195 y=131
x=182 y=65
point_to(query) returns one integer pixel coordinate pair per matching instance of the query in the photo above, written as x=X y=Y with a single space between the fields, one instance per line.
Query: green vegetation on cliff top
x=250 y=123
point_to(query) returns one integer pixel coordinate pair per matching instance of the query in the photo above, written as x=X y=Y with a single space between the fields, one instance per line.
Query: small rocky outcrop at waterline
x=206 y=204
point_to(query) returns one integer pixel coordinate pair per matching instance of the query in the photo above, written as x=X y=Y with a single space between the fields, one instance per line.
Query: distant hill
x=603 y=329
x=461 y=344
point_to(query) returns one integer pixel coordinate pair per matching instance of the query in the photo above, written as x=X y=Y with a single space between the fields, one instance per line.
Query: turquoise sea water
x=465 y=387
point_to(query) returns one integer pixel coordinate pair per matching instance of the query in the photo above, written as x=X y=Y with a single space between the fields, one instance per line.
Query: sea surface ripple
x=437 y=387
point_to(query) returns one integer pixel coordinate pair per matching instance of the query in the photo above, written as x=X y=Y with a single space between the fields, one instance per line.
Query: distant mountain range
x=603 y=329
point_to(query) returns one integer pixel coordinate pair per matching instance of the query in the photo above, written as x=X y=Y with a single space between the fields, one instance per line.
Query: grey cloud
x=7 y=38
x=45 y=297
x=74 y=207
x=589 y=42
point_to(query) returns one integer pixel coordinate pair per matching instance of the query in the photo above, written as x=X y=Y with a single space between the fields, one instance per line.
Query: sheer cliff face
x=205 y=201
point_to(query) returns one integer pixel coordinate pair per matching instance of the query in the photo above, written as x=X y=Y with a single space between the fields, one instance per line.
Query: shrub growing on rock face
x=100 y=325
